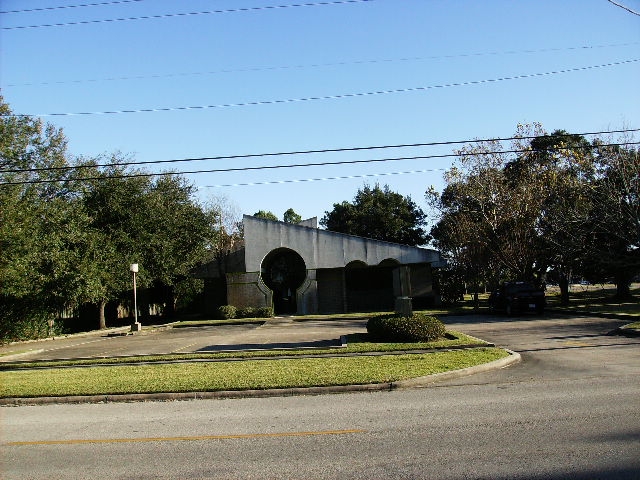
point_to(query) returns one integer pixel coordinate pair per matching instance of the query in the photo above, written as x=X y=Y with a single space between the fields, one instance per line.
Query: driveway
x=275 y=333
x=553 y=346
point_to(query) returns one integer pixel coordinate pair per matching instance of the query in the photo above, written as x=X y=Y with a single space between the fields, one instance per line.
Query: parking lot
x=274 y=333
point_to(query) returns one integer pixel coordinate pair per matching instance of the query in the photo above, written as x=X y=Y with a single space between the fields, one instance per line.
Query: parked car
x=517 y=297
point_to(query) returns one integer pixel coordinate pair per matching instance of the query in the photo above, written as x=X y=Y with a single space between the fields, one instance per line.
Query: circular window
x=283 y=271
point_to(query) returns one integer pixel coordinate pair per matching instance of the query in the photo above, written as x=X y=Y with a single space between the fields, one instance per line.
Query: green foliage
x=449 y=283
x=563 y=204
x=42 y=227
x=264 y=312
x=225 y=376
x=381 y=214
x=226 y=312
x=18 y=321
x=68 y=236
x=395 y=328
x=266 y=215
x=245 y=312
x=290 y=216
x=613 y=222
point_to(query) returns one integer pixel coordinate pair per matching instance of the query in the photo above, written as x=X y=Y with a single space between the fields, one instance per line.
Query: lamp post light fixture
x=137 y=326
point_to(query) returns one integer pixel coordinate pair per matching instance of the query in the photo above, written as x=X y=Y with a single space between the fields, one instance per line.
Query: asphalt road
x=568 y=410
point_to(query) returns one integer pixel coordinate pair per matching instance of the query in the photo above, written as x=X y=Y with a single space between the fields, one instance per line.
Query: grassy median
x=238 y=375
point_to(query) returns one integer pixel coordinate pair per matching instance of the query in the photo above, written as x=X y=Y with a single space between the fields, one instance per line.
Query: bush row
x=226 y=312
x=395 y=328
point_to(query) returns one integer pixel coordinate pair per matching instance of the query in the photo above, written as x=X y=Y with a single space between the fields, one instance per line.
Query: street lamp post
x=137 y=326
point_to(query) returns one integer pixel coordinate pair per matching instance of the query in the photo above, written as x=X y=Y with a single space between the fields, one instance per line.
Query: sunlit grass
x=250 y=374
x=596 y=299
x=356 y=343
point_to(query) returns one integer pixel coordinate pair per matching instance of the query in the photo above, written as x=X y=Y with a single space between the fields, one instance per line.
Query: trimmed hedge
x=227 y=312
x=395 y=328
x=264 y=312
x=245 y=312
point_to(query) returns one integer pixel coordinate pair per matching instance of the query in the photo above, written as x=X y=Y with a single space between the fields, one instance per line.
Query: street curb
x=613 y=316
x=12 y=356
x=626 y=332
x=425 y=381
x=512 y=359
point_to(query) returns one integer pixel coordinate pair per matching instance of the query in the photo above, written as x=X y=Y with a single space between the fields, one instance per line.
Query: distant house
x=301 y=269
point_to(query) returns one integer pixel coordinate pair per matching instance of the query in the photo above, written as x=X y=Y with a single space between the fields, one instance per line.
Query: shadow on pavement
x=270 y=346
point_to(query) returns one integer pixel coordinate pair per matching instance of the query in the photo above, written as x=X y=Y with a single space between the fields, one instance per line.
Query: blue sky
x=453 y=70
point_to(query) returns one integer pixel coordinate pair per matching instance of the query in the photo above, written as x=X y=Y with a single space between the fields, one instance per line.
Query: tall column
x=402 y=290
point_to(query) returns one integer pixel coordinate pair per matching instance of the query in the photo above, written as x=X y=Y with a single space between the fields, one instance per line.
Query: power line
x=321 y=179
x=339 y=96
x=64 y=7
x=187 y=14
x=309 y=152
x=318 y=65
x=624 y=7
x=273 y=167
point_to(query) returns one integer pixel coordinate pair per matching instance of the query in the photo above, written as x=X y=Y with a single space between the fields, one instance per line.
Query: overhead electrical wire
x=188 y=14
x=273 y=167
x=319 y=65
x=65 y=7
x=624 y=7
x=318 y=151
x=339 y=96
x=321 y=179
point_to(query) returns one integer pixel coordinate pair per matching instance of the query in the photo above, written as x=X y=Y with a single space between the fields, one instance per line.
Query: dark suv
x=517 y=297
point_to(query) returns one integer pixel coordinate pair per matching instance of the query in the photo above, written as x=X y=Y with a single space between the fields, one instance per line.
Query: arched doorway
x=283 y=271
x=369 y=288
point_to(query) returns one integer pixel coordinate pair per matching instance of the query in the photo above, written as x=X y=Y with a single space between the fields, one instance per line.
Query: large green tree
x=42 y=226
x=612 y=247
x=116 y=203
x=156 y=223
x=560 y=168
x=180 y=232
x=485 y=221
x=70 y=229
x=561 y=205
x=380 y=214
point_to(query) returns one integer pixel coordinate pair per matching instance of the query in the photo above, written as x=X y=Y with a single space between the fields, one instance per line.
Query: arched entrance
x=283 y=270
x=369 y=288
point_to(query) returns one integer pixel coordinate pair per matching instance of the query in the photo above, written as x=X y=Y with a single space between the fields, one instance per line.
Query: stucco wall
x=324 y=249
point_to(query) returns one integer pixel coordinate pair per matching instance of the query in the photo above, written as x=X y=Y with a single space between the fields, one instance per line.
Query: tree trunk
x=623 y=286
x=476 y=298
x=564 y=289
x=170 y=301
x=101 y=306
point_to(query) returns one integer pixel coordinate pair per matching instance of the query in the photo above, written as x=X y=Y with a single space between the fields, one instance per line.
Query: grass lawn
x=597 y=299
x=249 y=374
x=592 y=298
x=356 y=343
x=634 y=325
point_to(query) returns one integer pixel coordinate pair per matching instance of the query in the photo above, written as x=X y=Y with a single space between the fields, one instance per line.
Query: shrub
x=264 y=312
x=395 y=328
x=246 y=312
x=226 y=312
